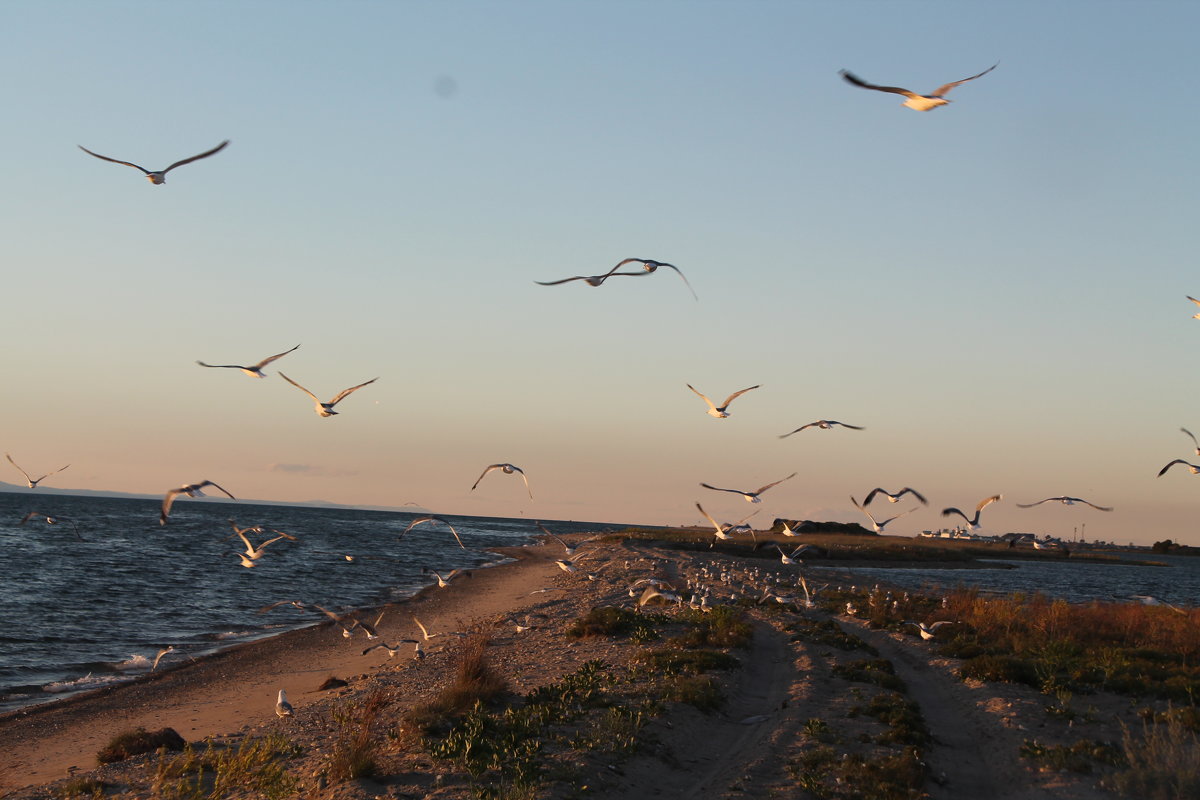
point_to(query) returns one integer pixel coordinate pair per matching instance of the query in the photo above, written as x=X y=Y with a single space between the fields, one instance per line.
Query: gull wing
x=301 y=388
x=703 y=397
x=205 y=154
x=802 y=427
x=719 y=489
x=709 y=518
x=113 y=160
x=946 y=512
x=731 y=397
x=221 y=366
x=857 y=81
x=987 y=501
x=941 y=90
x=863 y=510
x=776 y=483
x=914 y=493
x=485 y=472
x=844 y=425
x=1093 y=505
x=342 y=394
x=1038 y=503
x=269 y=359
x=215 y=486
x=23 y=472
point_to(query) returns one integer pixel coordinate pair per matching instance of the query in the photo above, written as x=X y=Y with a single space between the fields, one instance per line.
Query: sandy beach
x=787 y=698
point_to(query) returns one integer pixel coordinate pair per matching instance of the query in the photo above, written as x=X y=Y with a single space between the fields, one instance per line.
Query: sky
x=996 y=290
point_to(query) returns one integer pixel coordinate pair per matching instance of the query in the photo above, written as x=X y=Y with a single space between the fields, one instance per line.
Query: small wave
x=135 y=661
x=88 y=681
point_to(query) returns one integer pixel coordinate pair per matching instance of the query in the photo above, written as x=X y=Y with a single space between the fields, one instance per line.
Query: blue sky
x=994 y=289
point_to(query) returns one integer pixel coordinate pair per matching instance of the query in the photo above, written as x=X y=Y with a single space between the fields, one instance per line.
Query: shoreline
x=213 y=695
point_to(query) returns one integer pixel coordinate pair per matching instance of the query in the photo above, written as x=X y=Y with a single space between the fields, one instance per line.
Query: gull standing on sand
x=160 y=176
x=1194 y=468
x=326 y=409
x=51 y=520
x=191 y=490
x=507 y=469
x=719 y=411
x=751 y=497
x=876 y=525
x=823 y=424
x=1066 y=501
x=973 y=522
x=918 y=102
x=254 y=370
x=33 y=482
x=282 y=707
x=895 y=498
x=431 y=518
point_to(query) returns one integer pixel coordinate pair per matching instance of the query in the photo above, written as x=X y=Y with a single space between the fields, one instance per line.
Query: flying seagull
x=50 y=520
x=876 y=525
x=326 y=409
x=160 y=176
x=650 y=265
x=928 y=631
x=33 y=482
x=191 y=490
x=1066 y=501
x=444 y=580
x=1195 y=468
x=751 y=497
x=432 y=518
x=255 y=370
x=1192 y=435
x=918 y=102
x=895 y=498
x=254 y=553
x=507 y=469
x=973 y=522
x=719 y=411
x=1197 y=302
x=823 y=424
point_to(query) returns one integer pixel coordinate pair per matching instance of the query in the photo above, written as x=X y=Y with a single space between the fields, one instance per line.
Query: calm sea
x=1177 y=583
x=82 y=614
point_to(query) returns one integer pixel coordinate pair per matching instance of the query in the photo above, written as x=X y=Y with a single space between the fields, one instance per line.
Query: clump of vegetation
x=827 y=632
x=355 y=750
x=138 y=741
x=672 y=661
x=878 y=671
x=614 y=621
x=500 y=749
x=700 y=691
x=825 y=774
x=901 y=715
x=81 y=789
x=999 y=668
x=254 y=765
x=475 y=682
x=723 y=626
x=1080 y=757
x=1164 y=764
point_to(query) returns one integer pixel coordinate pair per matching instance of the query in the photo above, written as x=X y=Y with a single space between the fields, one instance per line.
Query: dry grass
x=475 y=682
x=1164 y=764
x=355 y=750
x=139 y=741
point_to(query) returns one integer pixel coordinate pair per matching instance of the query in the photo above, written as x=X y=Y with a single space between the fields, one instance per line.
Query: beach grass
x=255 y=764
x=137 y=742
x=355 y=749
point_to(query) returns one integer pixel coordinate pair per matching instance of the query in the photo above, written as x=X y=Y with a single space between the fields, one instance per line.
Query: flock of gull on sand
x=643 y=590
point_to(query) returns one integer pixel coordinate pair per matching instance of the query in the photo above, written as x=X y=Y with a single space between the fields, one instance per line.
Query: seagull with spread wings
x=719 y=411
x=33 y=482
x=876 y=525
x=507 y=469
x=973 y=522
x=1193 y=468
x=254 y=370
x=1066 y=501
x=895 y=498
x=326 y=409
x=158 y=177
x=189 y=489
x=918 y=102
x=750 y=497
x=823 y=424
x=432 y=518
